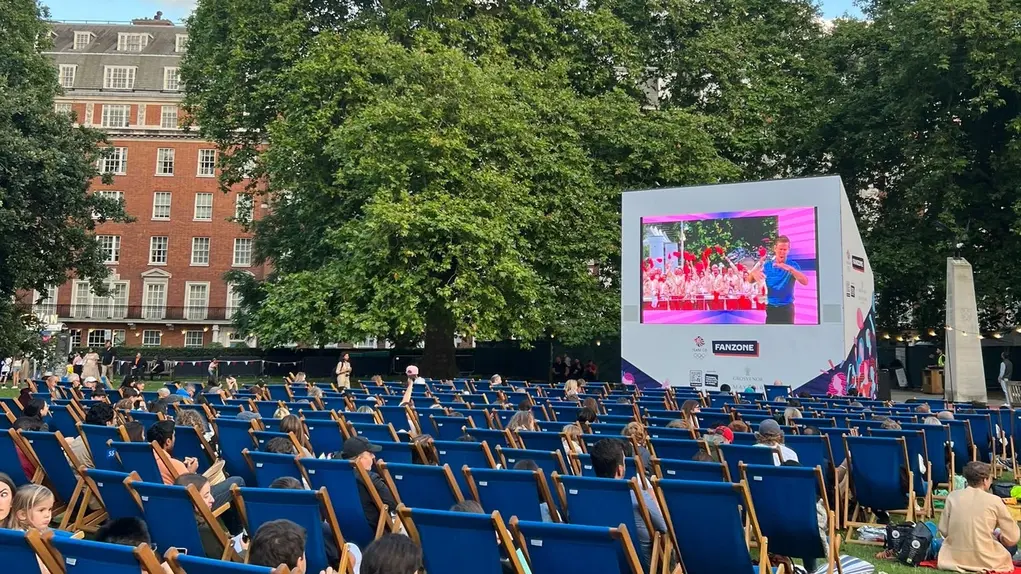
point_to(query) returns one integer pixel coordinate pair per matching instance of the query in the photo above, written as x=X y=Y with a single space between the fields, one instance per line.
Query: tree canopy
x=46 y=165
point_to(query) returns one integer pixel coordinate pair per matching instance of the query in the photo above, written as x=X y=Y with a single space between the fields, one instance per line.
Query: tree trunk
x=439 y=360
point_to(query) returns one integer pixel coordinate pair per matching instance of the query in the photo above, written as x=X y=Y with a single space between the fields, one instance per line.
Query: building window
x=242 y=252
x=207 y=163
x=203 y=207
x=74 y=336
x=119 y=77
x=82 y=40
x=168 y=117
x=171 y=79
x=165 y=161
x=200 y=251
x=86 y=304
x=131 y=41
x=99 y=337
x=152 y=338
x=244 y=208
x=117 y=196
x=233 y=301
x=198 y=301
x=116 y=116
x=62 y=108
x=115 y=161
x=161 y=205
x=155 y=304
x=118 y=337
x=67 y=74
x=158 y=250
x=45 y=306
x=181 y=43
x=111 y=247
x=193 y=338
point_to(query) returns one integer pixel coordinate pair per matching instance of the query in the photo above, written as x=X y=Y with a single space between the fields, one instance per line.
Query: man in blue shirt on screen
x=779 y=276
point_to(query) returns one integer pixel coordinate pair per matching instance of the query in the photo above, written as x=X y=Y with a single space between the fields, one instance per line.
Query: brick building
x=167 y=266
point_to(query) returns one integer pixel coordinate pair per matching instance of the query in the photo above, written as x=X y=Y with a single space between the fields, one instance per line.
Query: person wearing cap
x=771 y=435
x=363 y=452
x=90 y=383
x=412 y=374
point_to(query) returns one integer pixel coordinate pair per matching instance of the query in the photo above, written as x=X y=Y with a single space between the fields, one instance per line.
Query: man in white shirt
x=1006 y=370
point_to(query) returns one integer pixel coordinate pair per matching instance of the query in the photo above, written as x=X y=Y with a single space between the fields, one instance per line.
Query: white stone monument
x=964 y=373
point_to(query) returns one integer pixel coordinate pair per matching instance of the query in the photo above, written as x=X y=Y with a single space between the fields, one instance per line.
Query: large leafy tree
x=923 y=115
x=441 y=172
x=46 y=164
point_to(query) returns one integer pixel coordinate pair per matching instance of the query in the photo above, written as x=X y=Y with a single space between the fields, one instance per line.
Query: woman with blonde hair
x=571 y=437
x=790 y=414
x=522 y=421
x=571 y=390
x=635 y=432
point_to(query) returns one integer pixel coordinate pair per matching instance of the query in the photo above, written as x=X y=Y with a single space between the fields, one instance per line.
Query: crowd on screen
x=978 y=532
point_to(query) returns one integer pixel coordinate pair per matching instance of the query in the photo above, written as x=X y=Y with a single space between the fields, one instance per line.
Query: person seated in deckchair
x=979 y=534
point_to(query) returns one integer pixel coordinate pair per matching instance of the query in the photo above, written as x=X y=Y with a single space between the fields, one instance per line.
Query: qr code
x=695 y=378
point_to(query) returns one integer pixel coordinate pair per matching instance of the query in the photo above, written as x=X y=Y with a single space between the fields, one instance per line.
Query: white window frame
x=201 y=205
x=62 y=108
x=234 y=259
x=196 y=311
x=104 y=336
x=68 y=72
x=108 y=194
x=46 y=306
x=152 y=338
x=121 y=119
x=161 y=203
x=169 y=117
x=196 y=259
x=125 y=41
x=74 y=337
x=109 y=73
x=180 y=43
x=155 y=244
x=206 y=164
x=154 y=309
x=78 y=43
x=233 y=301
x=113 y=252
x=171 y=79
x=85 y=304
x=117 y=164
x=191 y=334
x=165 y=161
x=119 y=337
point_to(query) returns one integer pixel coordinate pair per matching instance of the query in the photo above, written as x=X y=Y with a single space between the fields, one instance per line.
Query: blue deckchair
x=269 y=466
x=835 y=436
x=963 y=445
x=233 y=437
x=676 y=449
x=449 y=428
x=326 y=435
x=494 y=438
x=608 y=502
x=170 y=512
x=138 y=457
x=62 y=419
x=74 y=556
x=981 y=433
x=715 y=542
x=189 y=443
x=97 y=439
x=573 y=548
x=305 y=508
x=519 y=493
x=374 y=432
x=460 y=454
x=476 y=550
x=545 y=441
x=918 y=457
x=400 y=417
x=733 y=454
x=340 y=478
x=110 y=488
x=876 y=466
x=785 y=505
x=355 y=417
x=548 y=461
x=9 y=461
x=51 y=451
x=706 y=471
x=18 y=550
x=185 y=564
x=421 y=486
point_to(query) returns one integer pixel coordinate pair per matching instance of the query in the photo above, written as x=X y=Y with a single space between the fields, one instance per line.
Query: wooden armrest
x=218 y=511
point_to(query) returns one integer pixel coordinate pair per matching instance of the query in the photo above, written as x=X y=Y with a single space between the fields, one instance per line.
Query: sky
x=124 y=10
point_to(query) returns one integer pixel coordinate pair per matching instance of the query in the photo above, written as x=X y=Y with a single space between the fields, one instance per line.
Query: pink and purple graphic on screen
x=739 y=267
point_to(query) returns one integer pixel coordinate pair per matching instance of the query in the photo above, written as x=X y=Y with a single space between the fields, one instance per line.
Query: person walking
x=90 y=366
x=343 y=371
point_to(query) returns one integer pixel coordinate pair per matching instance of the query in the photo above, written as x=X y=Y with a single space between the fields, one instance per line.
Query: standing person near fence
x=214 y=370
x=344 y=371
x=1006 y=370
x=107 y=358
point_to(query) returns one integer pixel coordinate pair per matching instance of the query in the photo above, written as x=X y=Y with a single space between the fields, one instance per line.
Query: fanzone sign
x=736 y=348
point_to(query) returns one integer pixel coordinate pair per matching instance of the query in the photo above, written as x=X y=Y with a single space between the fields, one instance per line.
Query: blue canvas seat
x=97 y=441
x=574 y=548
x=876 y=466
x=340 y=478
x=785 y=500
x=449 y=428
x=918 y=457
x=400 y=417
x=18 y=550
x=64 y=419
x=734 y=454
x=375 y=432
x=548 y=461
x=480 y=540
x=9 y=462
x=541 y=440
x=400 y=452
x=263 y=437
x=676 y=449
x=138 y=457
x=494 y=438
x=110 y=488
x=269 y=466
x=707 y=420
x=715 y=542
x=185 y=564
x=706 y=471
x=582 y=465
x=63 y=553
x=173 y=514
x=421 y=486
x=232 y=436
x=517 y=493
x=835 y=436
x=981 y=427
x=326 y=435
x=306 y=508
x=609 y=502
x=189 y=443
x=460 y=454
x=52 y=454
